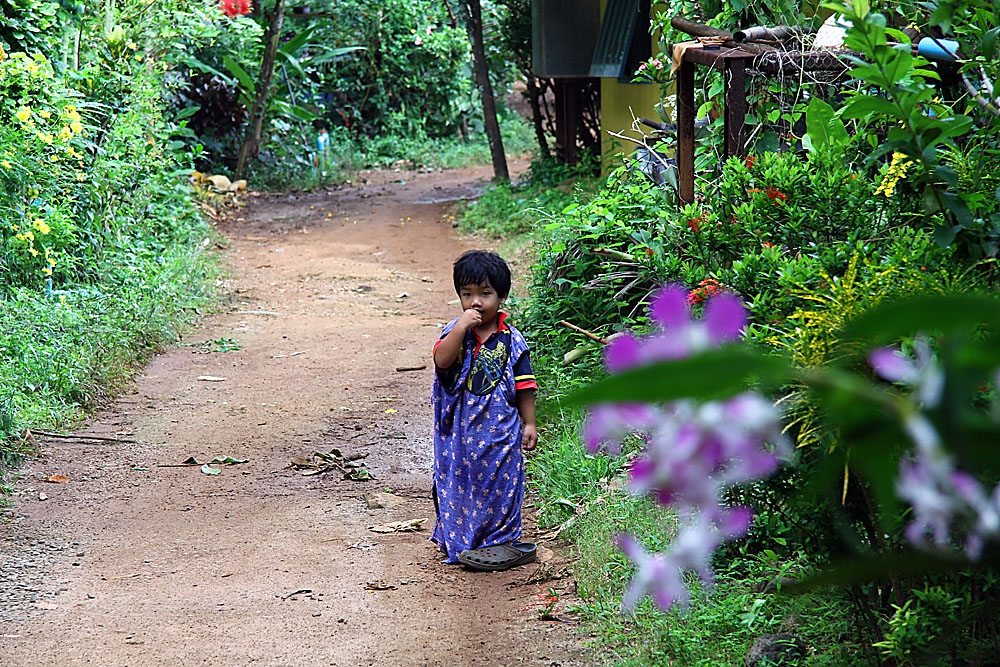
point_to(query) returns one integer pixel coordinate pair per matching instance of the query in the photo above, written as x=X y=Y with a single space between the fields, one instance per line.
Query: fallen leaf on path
x=57 y=479
x=390 y=411
x=209 y=470
x=379 y=586
x=336 y=460
x=285 y=356
x=210 y=378
x=298 y=592
x=379 y=500
x=228 y=460
x=399 y=526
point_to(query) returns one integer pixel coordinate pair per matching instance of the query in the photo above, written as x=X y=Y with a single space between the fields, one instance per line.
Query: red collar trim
x=501 y=326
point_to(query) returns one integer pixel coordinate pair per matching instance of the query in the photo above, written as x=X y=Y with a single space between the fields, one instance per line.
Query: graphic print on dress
x=488 y=367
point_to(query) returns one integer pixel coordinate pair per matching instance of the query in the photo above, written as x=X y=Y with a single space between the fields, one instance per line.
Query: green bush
x=100 y=238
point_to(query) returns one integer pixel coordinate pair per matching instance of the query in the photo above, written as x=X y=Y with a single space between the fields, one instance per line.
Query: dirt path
x=130 y=563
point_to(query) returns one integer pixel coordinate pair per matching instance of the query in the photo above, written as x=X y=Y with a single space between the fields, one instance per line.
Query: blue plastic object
x=938 y=49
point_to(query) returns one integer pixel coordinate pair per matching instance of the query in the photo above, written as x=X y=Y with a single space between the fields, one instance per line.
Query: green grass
x=64 y=353
x=520 y=209
x=722 y=621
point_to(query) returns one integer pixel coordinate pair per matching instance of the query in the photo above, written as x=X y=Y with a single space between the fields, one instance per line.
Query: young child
x=483 y=390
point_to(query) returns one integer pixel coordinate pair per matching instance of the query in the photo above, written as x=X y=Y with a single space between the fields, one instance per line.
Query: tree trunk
x=474 y=25
x=533 y=94
x=255 y=124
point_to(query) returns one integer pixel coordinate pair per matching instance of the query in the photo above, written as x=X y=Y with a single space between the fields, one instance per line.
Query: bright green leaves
x=823 y=127
x=899 y=94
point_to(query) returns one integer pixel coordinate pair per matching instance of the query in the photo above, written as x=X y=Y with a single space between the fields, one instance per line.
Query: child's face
x=482 y=297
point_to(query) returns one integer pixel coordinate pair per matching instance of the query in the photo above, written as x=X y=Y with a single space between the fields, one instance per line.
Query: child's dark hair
x=478 y=266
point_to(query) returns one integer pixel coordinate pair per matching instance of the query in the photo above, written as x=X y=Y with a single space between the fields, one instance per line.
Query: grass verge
x=64 y=352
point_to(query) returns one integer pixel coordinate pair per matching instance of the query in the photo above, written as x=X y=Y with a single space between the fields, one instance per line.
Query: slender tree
x=255 y=124
x=473 y=15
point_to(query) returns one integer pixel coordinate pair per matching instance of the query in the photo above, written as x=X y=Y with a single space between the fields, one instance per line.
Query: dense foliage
x=100 y=237
x=889 y=193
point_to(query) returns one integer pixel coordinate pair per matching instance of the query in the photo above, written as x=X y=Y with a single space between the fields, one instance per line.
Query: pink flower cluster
x=655 y=63
x=694 y=450
x=939 y=493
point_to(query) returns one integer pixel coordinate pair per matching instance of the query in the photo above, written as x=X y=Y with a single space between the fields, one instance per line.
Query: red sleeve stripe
x=525 y=384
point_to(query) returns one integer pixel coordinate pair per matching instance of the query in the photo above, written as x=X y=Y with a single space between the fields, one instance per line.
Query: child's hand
x=470 y=318
x=529 y=437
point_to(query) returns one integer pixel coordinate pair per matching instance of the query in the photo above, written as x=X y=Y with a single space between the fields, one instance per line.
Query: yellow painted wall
x=619 y=103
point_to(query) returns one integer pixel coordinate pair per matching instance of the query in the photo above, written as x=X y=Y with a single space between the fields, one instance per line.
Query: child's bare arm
x=446 y=353
x=526 y=408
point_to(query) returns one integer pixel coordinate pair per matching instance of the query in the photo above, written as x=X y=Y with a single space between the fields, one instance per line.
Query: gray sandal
x=498 y=558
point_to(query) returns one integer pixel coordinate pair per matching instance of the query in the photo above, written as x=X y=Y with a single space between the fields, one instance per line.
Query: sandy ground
x=135 y=562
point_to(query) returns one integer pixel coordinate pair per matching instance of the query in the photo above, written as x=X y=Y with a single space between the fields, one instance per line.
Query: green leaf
x=712 y=374
x=229 y=460
x=944 y=235
x=209 y=470
x=294 y=112
x=335 y=54
x=187 y=112
x=989 y=46
x=946 y=174
x=240 y=74
x=823 y=128
x=866 y=568
x=899 y=318
x=862 y=105
x=292 y=46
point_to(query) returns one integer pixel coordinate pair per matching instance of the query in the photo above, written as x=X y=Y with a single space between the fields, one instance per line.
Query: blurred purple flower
x=608 y=423
x=694 y=450
x=924 y=374
x=661 y=575
x=655 y=576
x=933 y=505
x=939 y=493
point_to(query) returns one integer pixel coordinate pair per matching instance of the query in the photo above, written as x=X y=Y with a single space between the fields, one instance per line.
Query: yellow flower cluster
x=895 y=173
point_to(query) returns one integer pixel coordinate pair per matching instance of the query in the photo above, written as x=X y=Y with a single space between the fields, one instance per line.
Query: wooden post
x=736 y=107
x=567 y=117
x=685 y=131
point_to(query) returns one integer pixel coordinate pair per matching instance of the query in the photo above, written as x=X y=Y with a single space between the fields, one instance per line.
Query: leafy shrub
x=415 y=64
x=779 y=230
x=42 y=151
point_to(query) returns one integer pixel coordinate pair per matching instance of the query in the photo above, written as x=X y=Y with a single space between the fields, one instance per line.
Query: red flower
x=235 y=7
x=767 y=244
x=694 y=224
x=775 y=194
x=649 y=252
x=706 y=288
x=750 y=161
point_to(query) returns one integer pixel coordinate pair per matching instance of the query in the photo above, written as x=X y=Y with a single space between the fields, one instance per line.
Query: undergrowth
x=298 y=167
x=65 y=352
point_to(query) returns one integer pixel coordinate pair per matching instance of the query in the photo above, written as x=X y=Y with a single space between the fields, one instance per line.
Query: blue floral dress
x=478 y=468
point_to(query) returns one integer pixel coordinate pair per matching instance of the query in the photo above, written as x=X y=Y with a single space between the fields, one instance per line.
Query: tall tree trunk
x=474 y=25
x=255 y=124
